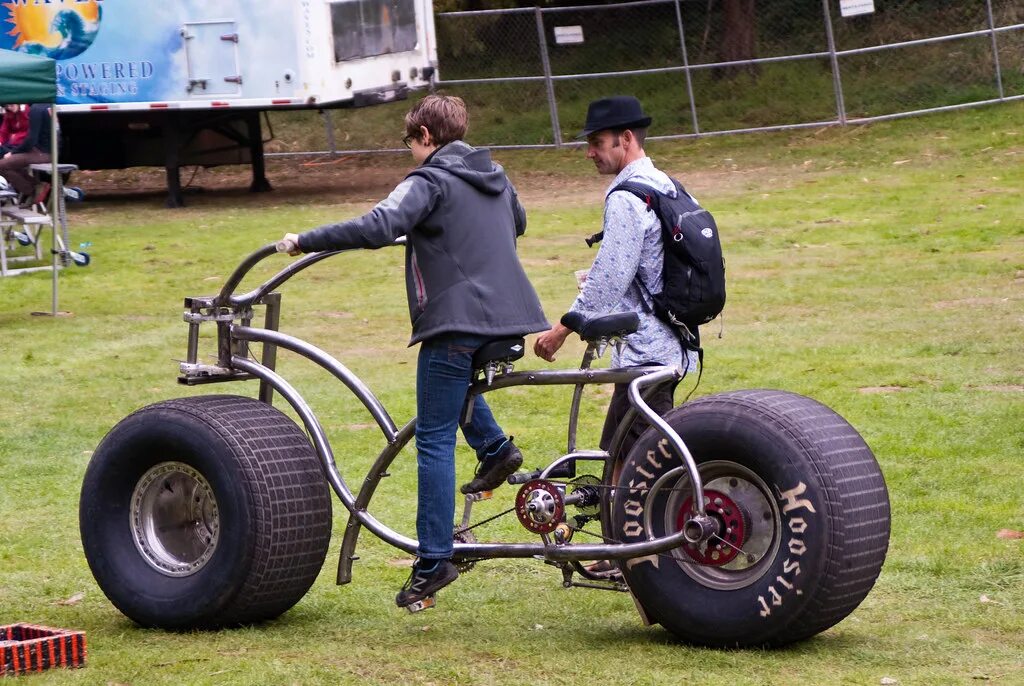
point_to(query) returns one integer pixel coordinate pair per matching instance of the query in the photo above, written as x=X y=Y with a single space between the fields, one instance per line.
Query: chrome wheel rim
x=175 y=521
x=763 y=524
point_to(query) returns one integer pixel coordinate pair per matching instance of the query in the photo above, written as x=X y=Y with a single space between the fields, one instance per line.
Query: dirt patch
x=360 y=179
x=970 y=302
x=882 y=389
x=1006 y=388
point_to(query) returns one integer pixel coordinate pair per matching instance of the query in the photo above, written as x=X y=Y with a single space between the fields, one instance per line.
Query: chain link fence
x=719 y=66
x=706 y=67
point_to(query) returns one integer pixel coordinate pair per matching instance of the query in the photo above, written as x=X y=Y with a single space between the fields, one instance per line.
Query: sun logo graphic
x=59 y=29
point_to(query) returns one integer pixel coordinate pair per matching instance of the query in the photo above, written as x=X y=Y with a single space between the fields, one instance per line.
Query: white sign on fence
x=568 y=34
x=851 y=8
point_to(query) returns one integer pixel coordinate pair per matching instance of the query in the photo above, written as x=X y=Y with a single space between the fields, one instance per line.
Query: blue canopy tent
x=32 y=79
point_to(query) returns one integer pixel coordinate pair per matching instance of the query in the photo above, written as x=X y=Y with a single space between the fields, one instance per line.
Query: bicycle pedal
x=480 y=495
x=421 y=605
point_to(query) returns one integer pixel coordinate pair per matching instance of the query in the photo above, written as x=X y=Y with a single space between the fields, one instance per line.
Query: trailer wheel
x=803 y=516
x=205 y=512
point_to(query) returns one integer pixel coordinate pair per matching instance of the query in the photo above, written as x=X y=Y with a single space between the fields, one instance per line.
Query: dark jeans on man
x=15 y=169
x=660 y=401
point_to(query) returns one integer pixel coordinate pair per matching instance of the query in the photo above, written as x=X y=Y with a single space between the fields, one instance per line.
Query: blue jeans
x=443 y=374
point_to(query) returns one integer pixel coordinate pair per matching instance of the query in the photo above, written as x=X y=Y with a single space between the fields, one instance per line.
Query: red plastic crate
x=31 y=648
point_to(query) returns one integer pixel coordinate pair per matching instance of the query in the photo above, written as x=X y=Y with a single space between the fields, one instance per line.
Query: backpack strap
x=642 y=191
x=645 y=193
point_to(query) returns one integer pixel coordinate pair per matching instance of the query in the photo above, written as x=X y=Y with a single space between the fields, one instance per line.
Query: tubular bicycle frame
x=233 y=315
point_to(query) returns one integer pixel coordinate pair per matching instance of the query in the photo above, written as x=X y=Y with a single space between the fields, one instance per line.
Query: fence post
x=837 y=82
x=995 y=49
x=686 y=68
x=556 y=128
x=329 y=130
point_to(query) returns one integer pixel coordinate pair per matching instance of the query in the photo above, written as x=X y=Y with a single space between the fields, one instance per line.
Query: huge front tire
x=205 y=512
x=802 y=508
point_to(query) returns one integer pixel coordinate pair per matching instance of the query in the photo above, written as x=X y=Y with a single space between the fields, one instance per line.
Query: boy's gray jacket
x=461 y=217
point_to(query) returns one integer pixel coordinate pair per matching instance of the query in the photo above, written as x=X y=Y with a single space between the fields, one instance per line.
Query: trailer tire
x=801 y=500
x=205 y=512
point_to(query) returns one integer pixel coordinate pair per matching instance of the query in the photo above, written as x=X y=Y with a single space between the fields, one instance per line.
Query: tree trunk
x=739 y=40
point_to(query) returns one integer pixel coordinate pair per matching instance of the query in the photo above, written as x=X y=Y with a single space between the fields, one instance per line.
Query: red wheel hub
x=539 y=506
x=721 y=549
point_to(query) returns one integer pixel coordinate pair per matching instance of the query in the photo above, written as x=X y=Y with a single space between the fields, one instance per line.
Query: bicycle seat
x=608 y=326
x=499 y=350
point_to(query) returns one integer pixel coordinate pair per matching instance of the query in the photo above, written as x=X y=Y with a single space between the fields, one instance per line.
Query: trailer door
x=211 y=48
x=367 y=28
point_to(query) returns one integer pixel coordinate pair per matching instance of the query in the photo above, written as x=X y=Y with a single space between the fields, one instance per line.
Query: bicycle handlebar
x=226 y=296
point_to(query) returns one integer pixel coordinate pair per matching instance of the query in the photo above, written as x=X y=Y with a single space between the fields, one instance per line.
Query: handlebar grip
x=285 y=246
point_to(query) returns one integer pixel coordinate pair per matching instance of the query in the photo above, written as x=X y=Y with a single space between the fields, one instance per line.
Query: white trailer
x=183 y=82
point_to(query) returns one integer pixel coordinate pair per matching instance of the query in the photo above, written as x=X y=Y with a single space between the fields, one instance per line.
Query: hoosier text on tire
x=204 y=512
x=802 y=508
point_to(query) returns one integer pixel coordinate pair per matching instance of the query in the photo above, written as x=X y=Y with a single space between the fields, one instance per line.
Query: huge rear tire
x=803 y=510
x=205 y=512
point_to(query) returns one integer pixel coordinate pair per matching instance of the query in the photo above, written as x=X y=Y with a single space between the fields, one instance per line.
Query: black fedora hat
x=616 y=112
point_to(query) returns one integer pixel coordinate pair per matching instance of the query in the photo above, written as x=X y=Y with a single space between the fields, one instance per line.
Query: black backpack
x=693 y=274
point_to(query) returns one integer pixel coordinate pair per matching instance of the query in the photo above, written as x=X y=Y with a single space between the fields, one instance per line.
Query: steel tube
x=564 y=377
x=316 y=431
x=595 y=455
x=837 y=83
x=275 y=281
x=241 y=270
x=489 y=79
x=995 y=48
x=556 y=128
x=574 y=406
x=617 y=551
x=288 y=272
x=686 y=66
x=927 y=41
x=377 y=472
x=336 y=368
x=929 y=110
x=668 y=432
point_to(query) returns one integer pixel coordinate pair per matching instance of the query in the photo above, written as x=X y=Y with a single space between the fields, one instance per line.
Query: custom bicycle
x=748 y=518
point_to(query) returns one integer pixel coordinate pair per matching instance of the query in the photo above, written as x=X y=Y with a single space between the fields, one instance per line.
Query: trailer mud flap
x=377 y=96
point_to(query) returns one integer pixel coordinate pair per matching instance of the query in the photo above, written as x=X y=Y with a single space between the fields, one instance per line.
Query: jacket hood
x=472 y=165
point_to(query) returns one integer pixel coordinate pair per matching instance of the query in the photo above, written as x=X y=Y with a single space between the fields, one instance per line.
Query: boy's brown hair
x=445 y=117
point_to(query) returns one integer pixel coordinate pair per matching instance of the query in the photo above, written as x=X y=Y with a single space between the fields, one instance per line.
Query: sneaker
x=493 y=470
x=605 y=569
x=427 y=578
x=73 y=193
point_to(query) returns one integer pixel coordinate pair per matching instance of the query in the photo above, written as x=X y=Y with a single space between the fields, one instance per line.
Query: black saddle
x=499 y=350
x=608 y=326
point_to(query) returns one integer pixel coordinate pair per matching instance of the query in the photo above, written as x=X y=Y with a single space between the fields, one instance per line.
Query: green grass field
x=877 y=269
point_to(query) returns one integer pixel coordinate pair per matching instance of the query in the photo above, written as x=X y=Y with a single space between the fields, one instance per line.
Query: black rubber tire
x=272 y=501
x=823 y=524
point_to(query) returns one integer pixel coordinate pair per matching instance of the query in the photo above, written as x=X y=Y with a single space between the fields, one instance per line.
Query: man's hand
x=548 y=343
x=289 y=244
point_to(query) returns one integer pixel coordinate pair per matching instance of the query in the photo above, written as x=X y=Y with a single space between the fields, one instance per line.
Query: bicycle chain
x=465 y=535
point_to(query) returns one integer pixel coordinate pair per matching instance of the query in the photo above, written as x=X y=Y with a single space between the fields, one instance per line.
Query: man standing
x=628 y=265
x=465 y=286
